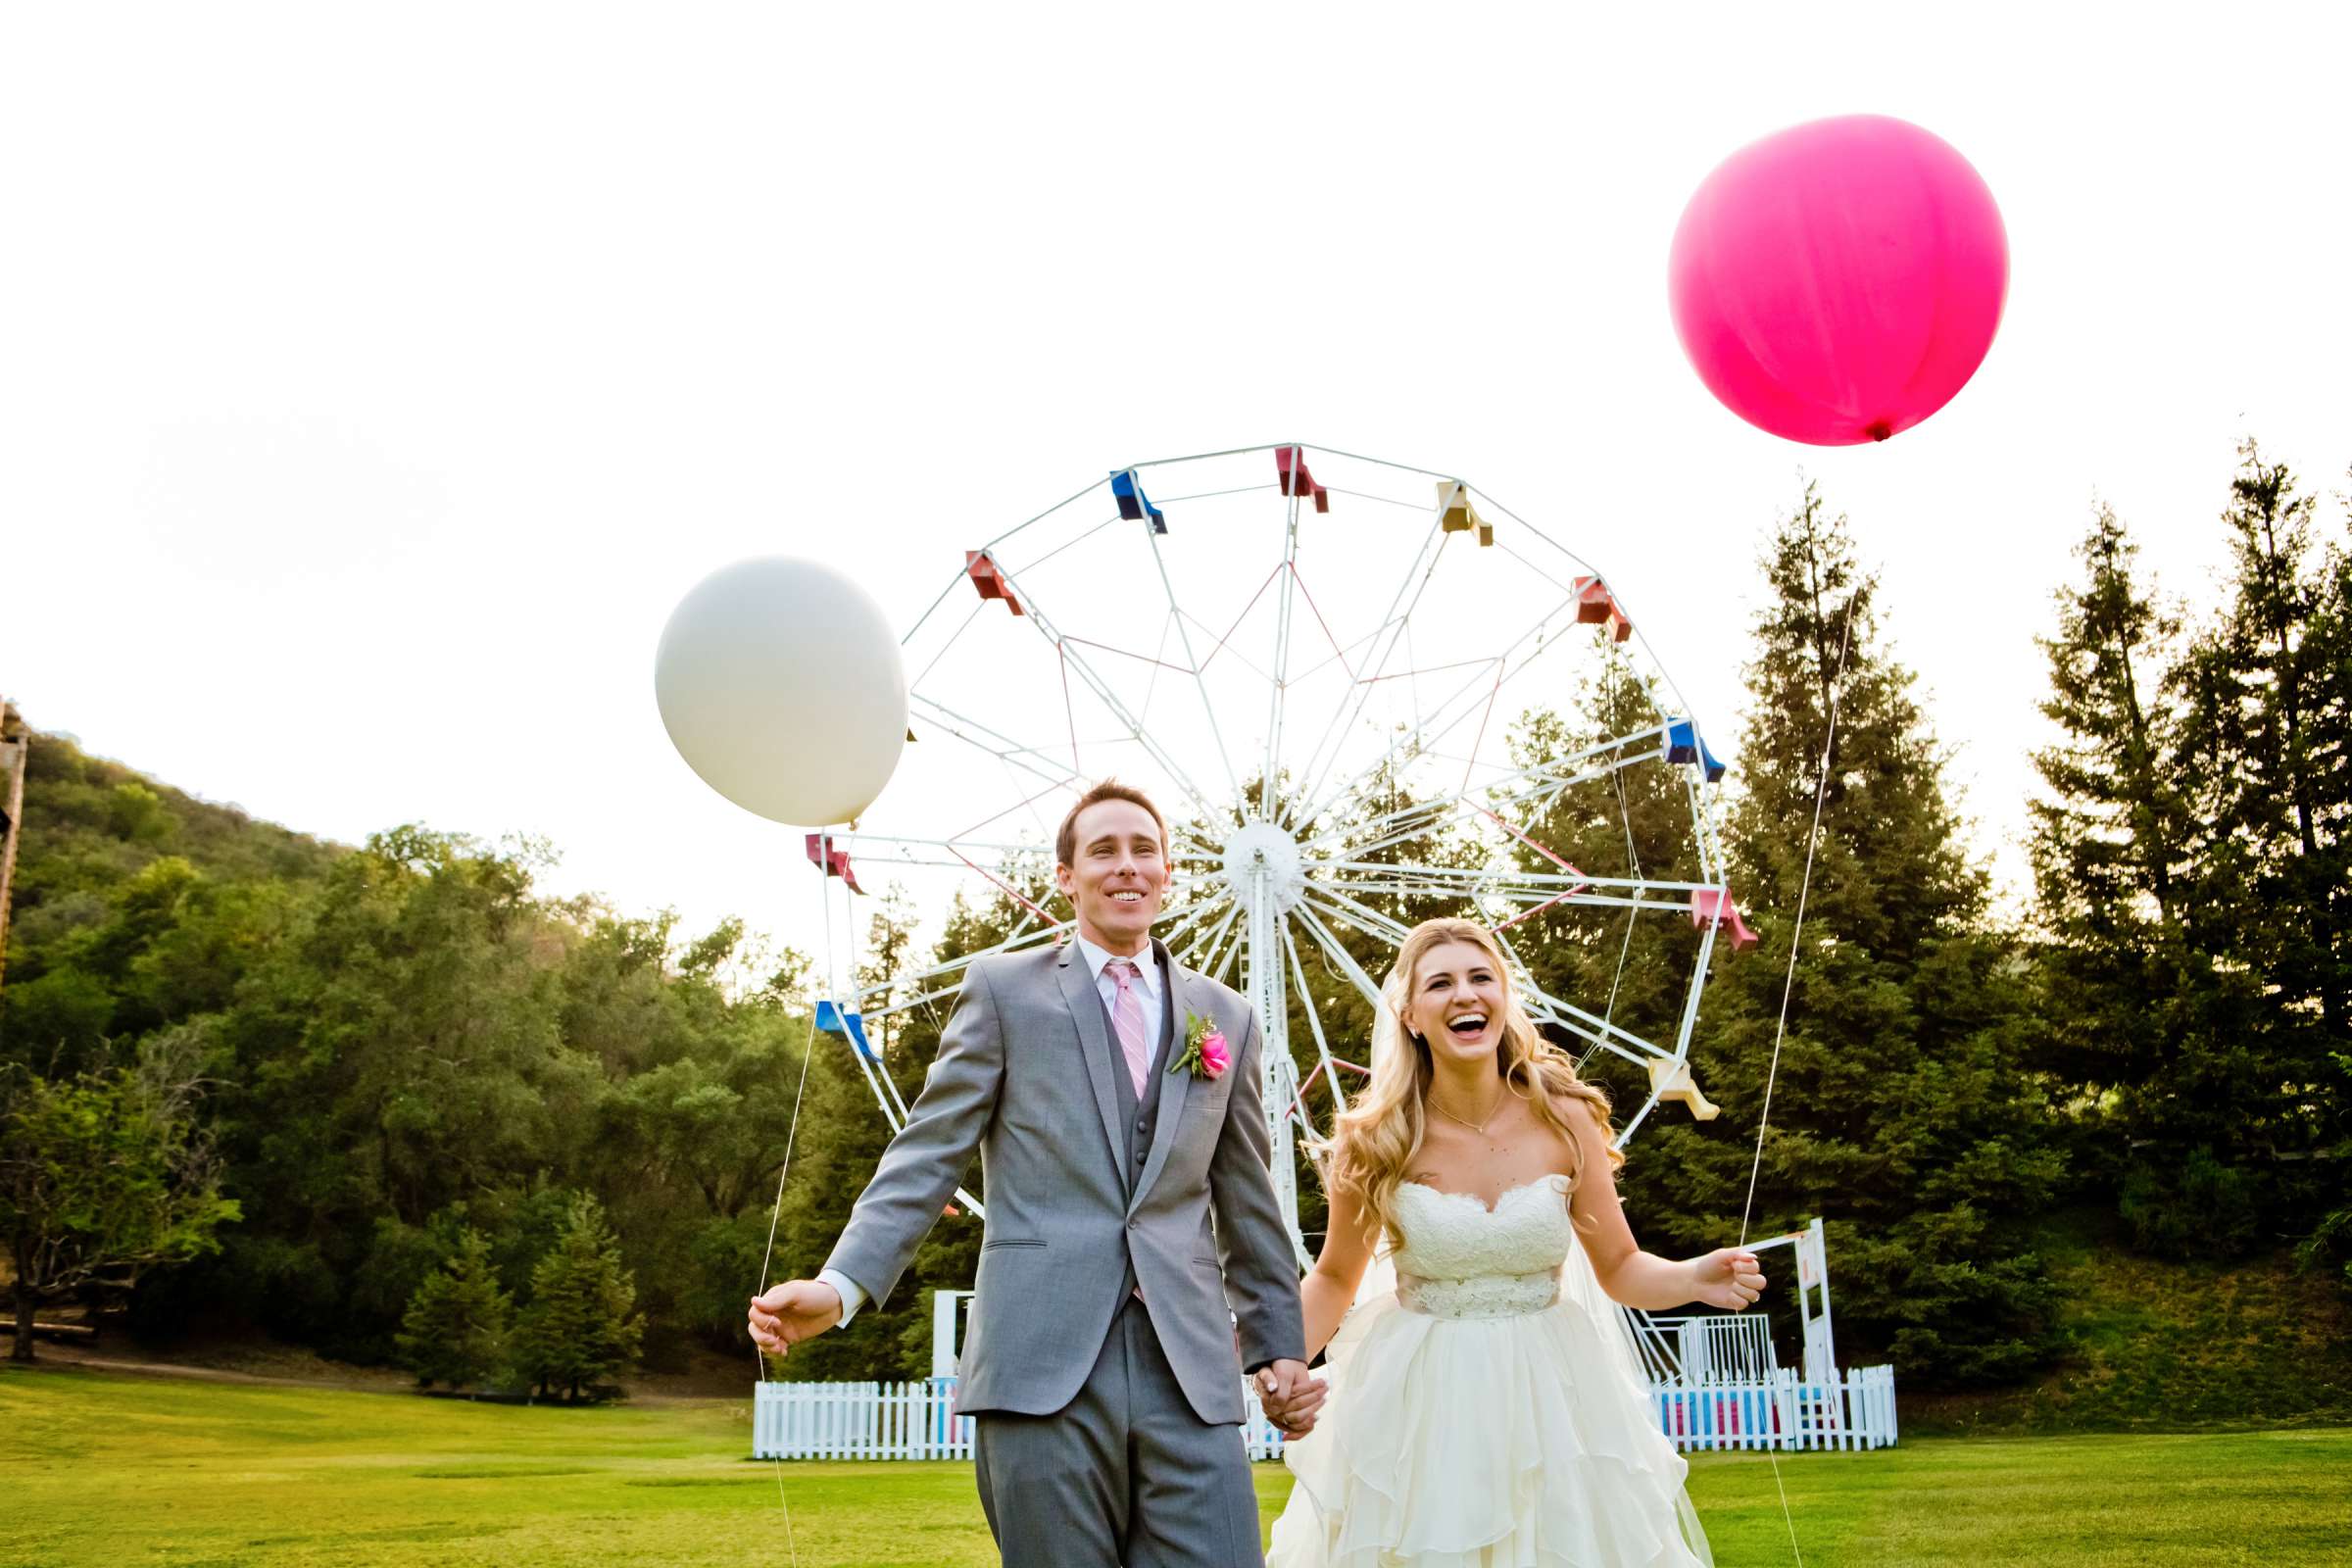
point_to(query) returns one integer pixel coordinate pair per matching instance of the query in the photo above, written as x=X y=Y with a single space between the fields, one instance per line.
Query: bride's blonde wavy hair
x=1377 y=1139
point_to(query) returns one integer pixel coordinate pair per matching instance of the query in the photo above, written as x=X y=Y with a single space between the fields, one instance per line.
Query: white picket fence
x=916 y=1420
x=1780 y=1410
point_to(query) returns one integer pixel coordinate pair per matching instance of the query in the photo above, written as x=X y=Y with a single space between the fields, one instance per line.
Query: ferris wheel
x=1314 y=661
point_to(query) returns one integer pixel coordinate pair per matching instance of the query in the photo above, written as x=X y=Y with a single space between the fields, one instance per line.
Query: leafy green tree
x=104 y=1177
x=690 y=1141
x=581 y=1326
x=456 y=1325
x=1902 y=1113
x=398 y=1051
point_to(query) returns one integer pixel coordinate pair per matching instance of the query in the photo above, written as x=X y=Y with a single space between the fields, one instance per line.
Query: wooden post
x=15 y=748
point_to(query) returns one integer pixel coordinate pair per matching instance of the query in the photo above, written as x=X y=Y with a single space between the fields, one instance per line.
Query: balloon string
x=1804 y=891
x=775 y=1215
x=1779 y=1032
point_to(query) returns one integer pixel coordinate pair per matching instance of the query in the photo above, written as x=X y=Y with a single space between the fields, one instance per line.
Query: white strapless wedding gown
x=1487 y=1414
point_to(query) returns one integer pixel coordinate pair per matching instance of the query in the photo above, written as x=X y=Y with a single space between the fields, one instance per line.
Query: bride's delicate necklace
x=1478 y=1127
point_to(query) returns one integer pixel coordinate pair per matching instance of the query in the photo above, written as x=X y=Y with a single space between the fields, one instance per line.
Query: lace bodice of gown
x=1460 y=1260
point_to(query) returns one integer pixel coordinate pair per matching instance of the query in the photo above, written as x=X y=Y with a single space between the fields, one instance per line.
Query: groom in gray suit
x=1128 y=1203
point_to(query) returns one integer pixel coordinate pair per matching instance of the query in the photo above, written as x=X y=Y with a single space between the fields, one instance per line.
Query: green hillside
x=2152 y=1345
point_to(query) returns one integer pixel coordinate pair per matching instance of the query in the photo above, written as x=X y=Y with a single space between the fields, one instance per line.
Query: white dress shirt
x=1154 y=1001
x=1146 y=979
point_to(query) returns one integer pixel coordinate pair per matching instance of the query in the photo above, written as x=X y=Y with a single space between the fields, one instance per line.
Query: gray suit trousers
x=1125 y=1474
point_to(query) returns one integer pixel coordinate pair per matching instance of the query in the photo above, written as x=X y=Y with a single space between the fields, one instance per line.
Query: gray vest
x=1143 y=1115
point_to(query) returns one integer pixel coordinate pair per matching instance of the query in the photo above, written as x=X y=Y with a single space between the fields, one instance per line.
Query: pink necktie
x=1127 y=1016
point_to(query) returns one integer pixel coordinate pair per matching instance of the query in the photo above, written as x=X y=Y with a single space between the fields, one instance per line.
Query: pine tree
x=2267 y=741
x=581 y=1328
x=2136 y=1020
x=454 y=1330
x=2266 y=761
x=1901 y=1114
x=2111 y=836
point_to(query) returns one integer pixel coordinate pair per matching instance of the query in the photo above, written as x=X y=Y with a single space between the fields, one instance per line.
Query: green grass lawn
x=116 y=1470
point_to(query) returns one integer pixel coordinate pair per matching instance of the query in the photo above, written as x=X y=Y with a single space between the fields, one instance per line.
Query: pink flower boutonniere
x=1206 y=1053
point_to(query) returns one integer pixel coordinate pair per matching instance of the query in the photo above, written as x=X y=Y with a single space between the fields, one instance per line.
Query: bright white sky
x=376 y=379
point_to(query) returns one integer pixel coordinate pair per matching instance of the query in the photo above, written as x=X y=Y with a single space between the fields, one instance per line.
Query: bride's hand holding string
x=1728 y=1277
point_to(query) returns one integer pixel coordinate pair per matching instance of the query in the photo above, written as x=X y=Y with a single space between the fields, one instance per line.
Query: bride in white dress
x=1488 y=1411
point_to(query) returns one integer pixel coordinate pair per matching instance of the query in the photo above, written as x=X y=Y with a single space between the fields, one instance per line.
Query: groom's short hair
x=1065 y=841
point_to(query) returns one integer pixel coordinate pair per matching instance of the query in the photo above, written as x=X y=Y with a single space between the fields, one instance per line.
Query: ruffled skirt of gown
x=1521 y=1441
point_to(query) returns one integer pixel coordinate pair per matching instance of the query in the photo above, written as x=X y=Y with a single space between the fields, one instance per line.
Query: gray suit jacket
x=1023 y=1077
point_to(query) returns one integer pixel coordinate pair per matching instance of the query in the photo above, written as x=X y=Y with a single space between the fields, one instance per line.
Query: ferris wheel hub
x=1262 y=850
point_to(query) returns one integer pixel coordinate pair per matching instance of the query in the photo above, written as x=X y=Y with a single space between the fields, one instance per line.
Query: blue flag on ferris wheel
x=1134 y=504
x=1684 y=744
x=849 y=1026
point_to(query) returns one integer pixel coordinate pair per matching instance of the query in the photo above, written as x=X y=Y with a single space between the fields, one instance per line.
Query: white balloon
x=779 y=682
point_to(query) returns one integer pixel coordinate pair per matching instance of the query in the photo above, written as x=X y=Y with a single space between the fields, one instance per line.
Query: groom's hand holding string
x=798 y=1309
x=1290 y=1395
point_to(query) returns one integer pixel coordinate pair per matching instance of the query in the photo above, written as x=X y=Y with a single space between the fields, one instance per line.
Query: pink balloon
x=1841 y=280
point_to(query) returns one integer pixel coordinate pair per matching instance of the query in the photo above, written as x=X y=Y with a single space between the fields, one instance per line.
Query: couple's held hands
x=1728 y=1277
x=1290 y=1395
x=798 y=1309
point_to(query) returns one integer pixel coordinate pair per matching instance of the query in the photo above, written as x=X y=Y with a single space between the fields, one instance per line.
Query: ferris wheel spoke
x=1031 y=759
x=1270 y=777
x=1397 y=467
x=1463 y=695
x=1208 y=708
x=1314 y=1022
x=1069 y=500
x=1211 y=494
x=948 y=647
x=1184 y=923
x=882 y=845
x=1028 y=934
x=1231 y=951
x=1339 y=906
x=1202 y=955
x=1593 y=1029
x=1337 y=953
x=1026 y=804
x=1339 y=654
x=1529 y=787
x=1534 y=532
x=1710 y=853
x=1222 y=642
x=932 y=609
x=1205 y=456
x=1073 y=659
x=1583 y=566
x=1465 y=698
x=1067 y=544
x=1392 y=624
x=1508 y=878
x=1525 y=901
